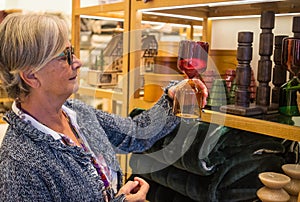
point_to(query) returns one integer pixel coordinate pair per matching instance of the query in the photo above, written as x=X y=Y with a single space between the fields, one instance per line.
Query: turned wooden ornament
x=265 y=64
x=273 y=190
x=293 y=187
x=243 y=70
x=243 y=79
x=279 y=72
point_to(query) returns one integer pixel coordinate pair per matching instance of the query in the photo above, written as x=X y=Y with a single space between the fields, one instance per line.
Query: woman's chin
x=75 y=88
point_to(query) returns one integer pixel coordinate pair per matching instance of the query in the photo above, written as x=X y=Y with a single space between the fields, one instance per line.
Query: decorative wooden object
x=273 y=189
x=265 y=64
x=231 y=86
x=293 y=187
x=252 y=88
x=243 y=78
x=279 y=72
x=243 y=71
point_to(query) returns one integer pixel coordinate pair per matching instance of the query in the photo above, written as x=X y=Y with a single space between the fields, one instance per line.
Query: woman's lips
x=73 y=78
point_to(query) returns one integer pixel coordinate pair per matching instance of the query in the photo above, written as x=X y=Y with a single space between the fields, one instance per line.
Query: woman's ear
x=28 y=76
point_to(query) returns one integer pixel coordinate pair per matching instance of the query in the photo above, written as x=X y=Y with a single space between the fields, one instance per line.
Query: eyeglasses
x=68 y=52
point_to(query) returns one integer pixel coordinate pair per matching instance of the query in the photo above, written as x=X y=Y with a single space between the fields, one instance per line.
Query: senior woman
x=55 y=148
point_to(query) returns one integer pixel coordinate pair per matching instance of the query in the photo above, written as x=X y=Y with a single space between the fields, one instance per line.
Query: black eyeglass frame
x=68 y=52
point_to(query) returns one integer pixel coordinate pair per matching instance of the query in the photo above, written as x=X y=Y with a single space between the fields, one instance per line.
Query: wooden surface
x=223 y=60
x=99 y=10
x=254 y=125
x=200 y=8
x=100 y=93
x=5 y=99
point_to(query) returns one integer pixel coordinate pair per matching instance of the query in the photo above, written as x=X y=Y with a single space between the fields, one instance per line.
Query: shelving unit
x=113 y=10
x=132 y=11
x=207 y=9
x=197 y=8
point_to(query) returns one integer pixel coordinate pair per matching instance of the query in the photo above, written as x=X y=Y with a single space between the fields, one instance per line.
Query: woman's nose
x=76 y=62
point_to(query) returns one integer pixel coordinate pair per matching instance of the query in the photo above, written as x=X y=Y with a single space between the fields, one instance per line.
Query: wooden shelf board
x=177 y=3
x=157 y=18
x=251 y=124
x=101 y=93
x=140 y=103
x=6 y=99
x=103 y=8
x=279 y=7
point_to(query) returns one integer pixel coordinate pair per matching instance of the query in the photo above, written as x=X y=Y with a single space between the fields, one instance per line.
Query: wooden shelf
x=101 y=93
x=100 y=10
x=208 y=8
x=251 y=124
x=6 y=99
x=140 y=103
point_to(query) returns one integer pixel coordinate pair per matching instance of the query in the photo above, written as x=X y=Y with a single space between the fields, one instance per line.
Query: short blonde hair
x=28 y=41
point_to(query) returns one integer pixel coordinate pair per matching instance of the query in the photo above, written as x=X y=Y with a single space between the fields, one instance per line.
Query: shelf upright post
x=135 y=41
x=75 y=40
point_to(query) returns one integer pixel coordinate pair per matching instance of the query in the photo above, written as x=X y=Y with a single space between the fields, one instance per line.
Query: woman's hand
x=199 y=84
x=135 y=191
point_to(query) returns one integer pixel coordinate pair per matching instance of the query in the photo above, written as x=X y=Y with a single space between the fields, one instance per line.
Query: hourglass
x=192 y=61
x=290 y=58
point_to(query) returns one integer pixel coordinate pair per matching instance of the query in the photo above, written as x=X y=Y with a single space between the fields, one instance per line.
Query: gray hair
x=28 y=41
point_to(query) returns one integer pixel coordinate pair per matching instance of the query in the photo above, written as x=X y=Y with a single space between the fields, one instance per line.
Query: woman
x=57 y=149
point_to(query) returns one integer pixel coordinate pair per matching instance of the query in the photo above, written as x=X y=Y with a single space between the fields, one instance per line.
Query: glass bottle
x=290 y=59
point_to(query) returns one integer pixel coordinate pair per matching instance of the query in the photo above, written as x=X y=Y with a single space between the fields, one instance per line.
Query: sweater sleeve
x=138 y=133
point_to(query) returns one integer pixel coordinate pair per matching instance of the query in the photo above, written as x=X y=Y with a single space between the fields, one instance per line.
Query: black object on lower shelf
x=229 y=171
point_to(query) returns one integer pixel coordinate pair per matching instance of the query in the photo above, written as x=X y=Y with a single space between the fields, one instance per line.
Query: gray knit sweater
x=35 y=167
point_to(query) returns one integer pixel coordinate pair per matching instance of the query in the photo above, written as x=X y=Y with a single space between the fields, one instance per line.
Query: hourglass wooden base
x=273 y=190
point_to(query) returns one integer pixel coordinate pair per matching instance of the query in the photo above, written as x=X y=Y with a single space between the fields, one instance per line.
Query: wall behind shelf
x=225 y=32
x=44 y=5
x=34 y=5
